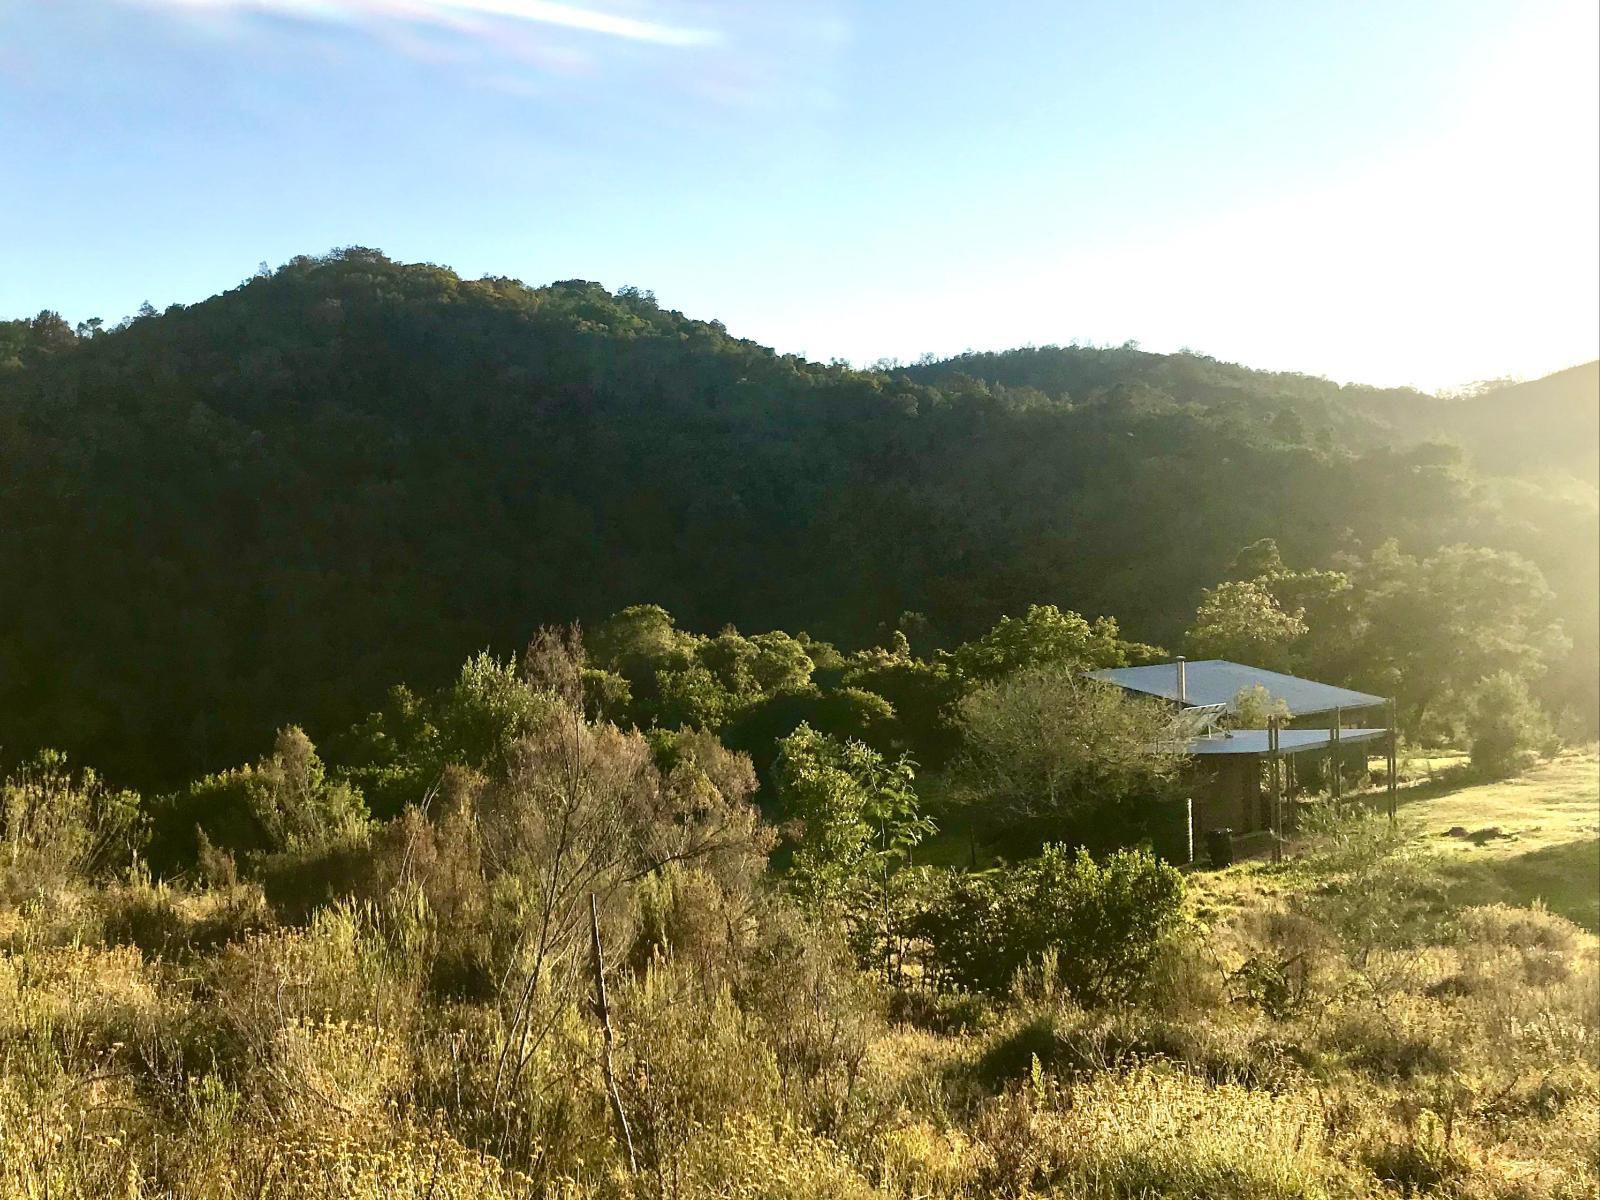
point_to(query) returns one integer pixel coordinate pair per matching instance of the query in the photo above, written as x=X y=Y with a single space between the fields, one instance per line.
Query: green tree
x=1505 y=724
x=860 y=818
x=1048 y=750
x=639 y=641
x=1322 y=599
x=1432 y=627
x=1241 y=620
x=1045 y=634
x=692 y=698
x=285 y=801
x=1253 y=706
x=490 y=706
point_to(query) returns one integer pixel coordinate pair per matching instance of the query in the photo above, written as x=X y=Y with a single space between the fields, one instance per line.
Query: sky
x=1391 y=193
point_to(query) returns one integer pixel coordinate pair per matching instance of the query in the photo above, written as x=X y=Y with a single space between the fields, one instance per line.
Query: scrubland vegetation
x=358 y=1008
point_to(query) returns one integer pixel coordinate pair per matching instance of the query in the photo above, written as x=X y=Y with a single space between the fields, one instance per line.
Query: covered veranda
x=1239 y=779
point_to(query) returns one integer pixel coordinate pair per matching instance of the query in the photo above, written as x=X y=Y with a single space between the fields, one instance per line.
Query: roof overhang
x=1218 y=681
x=1254 y=742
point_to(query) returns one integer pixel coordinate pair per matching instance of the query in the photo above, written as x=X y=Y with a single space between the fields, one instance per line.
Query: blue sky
x=1389 y=192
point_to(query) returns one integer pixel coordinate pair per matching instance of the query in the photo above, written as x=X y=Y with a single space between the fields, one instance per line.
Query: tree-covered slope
x=273 y=504
x=1538 y=425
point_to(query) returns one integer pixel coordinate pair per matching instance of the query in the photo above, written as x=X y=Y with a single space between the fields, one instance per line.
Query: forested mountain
x=1543 y=424
x=272 y=505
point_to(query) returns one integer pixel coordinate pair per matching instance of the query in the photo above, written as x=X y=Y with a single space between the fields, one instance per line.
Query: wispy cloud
x=465 y=14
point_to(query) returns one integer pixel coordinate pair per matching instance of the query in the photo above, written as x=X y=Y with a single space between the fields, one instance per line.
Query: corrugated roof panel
x=1290 y=741
x=1218 y=681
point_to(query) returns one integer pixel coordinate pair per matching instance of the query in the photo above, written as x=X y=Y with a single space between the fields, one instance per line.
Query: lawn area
x=1536 y=837
x=1515 y=841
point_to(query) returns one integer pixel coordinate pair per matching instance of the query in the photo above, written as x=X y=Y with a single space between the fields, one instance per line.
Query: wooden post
x=1277 y=788
x=1338 y=774
x=1394 y=763
x=603 y=1012
x=1188 y=818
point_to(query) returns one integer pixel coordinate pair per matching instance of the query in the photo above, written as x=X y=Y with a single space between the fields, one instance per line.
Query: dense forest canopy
x=274 y=505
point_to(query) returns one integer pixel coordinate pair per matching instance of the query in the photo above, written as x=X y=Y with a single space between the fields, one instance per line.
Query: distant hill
x=1549 y=422
x=1541 y=424
x=273 y=504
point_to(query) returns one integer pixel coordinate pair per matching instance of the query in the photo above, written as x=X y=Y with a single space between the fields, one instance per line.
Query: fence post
x=1338 y=772
x=1394 y=760
x=1276 y=773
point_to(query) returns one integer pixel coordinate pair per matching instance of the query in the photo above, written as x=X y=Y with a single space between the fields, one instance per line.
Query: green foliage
x=1044 y=636
x=55 y=820
x=177 y=1041
x=1045 y=750
x=1254 y=706
x=918 y=695
x=1505 y=725
x=1379 y=890
x=285 y=801
x=1100 y=924
x=1430 y=628
x=859 y=813
x=400 y=467
x=1242 y=621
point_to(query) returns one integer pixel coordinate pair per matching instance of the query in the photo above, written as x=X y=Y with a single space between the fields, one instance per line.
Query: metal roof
x=1218 y=681
x=1290 y=741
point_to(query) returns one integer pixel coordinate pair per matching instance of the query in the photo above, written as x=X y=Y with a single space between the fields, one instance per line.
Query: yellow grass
x=1549 y=848
x=1532 y=839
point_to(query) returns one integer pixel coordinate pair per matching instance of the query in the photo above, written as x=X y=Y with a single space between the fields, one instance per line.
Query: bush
x=169 y=922
x=1376 y=888
x=56 y=822
x=1506 y=725
x=1105 y=923
x=1533 y=928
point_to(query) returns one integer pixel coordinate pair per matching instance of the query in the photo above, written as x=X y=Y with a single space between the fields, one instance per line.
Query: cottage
x=1237 y=776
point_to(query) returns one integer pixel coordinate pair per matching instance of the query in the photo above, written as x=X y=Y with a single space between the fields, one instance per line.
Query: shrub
x=55 y=821
x=1071 y=1042
x=817 y=1013
x=340 y=970
x=695 y=1063
x=165 y=922
x=1506 y=725
x=284 y=802
x=1375 y=887
x=1155 y=1132
x=1105 y=922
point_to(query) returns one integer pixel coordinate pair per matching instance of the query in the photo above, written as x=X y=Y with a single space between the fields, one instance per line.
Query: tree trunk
x=603 y=1013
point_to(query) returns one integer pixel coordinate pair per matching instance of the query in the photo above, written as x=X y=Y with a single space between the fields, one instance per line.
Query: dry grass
x=1535 y=838
x=180 y=1044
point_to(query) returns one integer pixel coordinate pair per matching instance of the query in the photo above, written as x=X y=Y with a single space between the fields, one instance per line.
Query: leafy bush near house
x=1103 y=922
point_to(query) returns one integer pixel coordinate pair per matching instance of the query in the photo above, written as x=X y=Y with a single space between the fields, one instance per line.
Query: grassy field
x=1532 y=839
